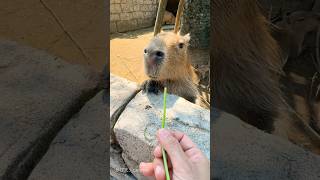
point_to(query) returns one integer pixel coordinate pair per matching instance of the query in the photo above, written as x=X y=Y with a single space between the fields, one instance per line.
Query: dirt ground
x=126 y=54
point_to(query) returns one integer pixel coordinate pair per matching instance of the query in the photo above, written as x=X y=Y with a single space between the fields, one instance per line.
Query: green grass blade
x=164 y=108
x=164 y=156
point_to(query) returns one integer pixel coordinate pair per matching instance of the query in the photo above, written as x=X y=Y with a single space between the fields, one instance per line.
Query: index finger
x=185 y=142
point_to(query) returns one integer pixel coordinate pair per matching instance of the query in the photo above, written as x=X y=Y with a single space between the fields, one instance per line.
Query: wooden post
x=178 y=16
x=160 y=15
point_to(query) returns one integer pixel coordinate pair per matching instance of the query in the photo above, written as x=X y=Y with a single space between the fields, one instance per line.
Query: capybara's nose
x=159 y=55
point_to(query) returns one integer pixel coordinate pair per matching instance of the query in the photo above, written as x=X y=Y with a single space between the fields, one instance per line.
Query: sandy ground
x=126 y=54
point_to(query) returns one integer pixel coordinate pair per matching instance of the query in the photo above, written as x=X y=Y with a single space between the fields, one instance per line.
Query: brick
x=131 y=15
x=143 y=23
x=115 y=8
x=143 y=7
x=135 y=15
x=126 y=7
x=140 y=14
x=114 y=17
x=124 y=16
x=113 y=27
x=136 y=8
x=124 y=26
x=148 y=14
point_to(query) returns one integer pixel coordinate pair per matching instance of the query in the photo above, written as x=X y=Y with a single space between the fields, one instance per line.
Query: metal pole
x=178 y=16
x=160 y=15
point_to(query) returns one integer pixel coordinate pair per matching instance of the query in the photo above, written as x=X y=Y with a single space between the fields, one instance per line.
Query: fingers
x=155 y=169
x=159 y=171
x=146 y=169
x=172 y=147
x=185 y=142
x=158 y=154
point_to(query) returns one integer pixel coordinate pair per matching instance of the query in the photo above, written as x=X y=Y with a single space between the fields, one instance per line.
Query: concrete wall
x=196 y=21
x=127 y=15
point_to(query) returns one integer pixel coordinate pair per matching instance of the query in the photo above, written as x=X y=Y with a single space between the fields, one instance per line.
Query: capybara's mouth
x=153 y=69
x=153 y=73
x=153 y=77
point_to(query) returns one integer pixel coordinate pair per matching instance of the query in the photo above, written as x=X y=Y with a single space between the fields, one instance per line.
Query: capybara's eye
x=181 y=45
x=145 y=51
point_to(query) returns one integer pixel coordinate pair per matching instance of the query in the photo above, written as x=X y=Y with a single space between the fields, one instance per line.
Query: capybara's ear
x=186 y=37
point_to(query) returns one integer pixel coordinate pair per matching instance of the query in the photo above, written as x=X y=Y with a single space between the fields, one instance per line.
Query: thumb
x=172 y=147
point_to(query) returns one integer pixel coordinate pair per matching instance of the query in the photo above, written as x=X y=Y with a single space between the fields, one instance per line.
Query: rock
x=243 y=152
x=79 y=149
x=133 y=167
x=118 y=169
x=121 y=92
x=39 y=93
x=137 y=125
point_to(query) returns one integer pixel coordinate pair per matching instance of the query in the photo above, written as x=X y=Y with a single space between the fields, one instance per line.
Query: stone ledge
x=39 y=94
x=136 y=127
x=79 y=150
x=243 y=152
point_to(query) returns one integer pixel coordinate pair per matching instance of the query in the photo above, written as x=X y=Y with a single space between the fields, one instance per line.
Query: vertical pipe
x=160 y=14
x=178 y=16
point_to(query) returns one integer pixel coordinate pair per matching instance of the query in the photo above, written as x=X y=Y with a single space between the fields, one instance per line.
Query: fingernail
x=158 y=170
x=163 y=133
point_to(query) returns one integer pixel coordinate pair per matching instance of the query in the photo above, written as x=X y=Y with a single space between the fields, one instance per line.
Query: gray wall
x=128 y=15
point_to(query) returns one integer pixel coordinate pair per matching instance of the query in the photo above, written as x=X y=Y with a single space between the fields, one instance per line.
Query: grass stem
x=162 y=126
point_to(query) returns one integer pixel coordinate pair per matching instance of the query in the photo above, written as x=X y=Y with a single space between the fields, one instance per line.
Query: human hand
x=185 y=159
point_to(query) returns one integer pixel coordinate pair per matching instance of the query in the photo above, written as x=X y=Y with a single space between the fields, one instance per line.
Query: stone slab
x=39 y=93
x=118 y=168
x=79 y=150
x=120 y=90
x=243 y=152
x=137 y=125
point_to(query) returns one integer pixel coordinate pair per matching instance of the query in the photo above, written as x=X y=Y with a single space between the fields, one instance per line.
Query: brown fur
x=175 y=71
x=245 y=64
x=246 y=67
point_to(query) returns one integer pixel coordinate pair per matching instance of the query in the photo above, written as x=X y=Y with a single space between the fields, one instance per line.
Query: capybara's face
x=165 y=53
